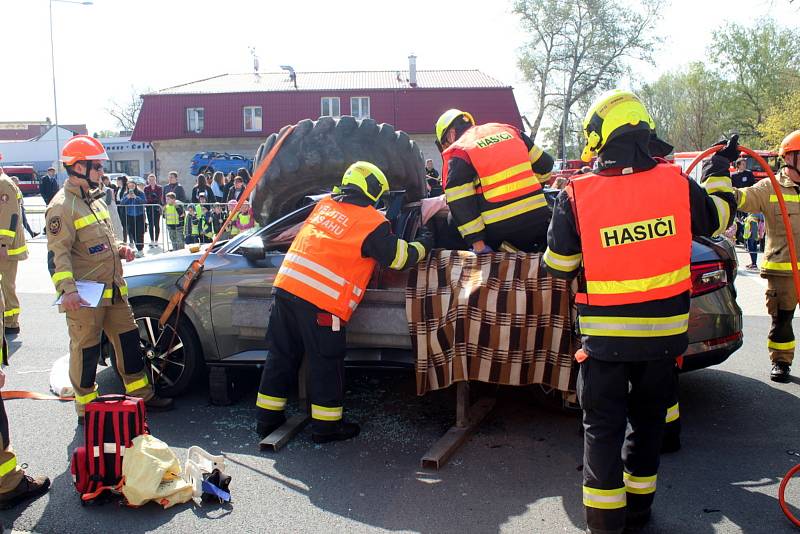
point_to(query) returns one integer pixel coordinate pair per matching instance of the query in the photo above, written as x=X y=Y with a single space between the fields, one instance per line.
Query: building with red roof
x=235 y=112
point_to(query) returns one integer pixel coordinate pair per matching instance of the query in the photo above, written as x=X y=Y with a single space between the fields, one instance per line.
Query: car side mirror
x=253 y=250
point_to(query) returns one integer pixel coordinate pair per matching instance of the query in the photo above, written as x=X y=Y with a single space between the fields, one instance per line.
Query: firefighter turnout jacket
x=628 y=233
x=492 y=178
x=12 y=235
x=761 y=198
x=81 y=244
x=331 y=261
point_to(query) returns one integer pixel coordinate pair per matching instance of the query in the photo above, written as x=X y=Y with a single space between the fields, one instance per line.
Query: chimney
x=412 y=70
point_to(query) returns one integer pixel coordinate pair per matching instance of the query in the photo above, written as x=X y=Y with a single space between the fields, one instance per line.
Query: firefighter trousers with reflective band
x=293 y=331
x=672 y=428
x=8 y=270
x=86 y=327
x=781 y=302
x=10 y=473
x=624 y=408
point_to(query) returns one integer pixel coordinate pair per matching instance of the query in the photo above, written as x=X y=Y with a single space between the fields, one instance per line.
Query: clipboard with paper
x=89 y=291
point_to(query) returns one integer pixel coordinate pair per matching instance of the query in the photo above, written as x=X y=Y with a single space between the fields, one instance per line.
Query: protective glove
x=485 y=250
x=731 y=150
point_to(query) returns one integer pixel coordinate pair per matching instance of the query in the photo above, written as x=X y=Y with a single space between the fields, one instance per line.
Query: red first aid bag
x=110 y=424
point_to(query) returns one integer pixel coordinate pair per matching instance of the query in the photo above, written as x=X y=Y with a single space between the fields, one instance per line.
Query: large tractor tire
x=314 y=157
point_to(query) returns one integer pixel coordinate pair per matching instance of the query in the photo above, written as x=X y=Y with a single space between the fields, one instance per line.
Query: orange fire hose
x=194 y=271
x=795 y=275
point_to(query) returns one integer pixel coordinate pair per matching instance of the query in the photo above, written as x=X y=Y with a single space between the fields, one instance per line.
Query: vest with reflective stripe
x=324 y=265
x=636 y=235
x=171 y=215
x=244 y=222
x=500 y=158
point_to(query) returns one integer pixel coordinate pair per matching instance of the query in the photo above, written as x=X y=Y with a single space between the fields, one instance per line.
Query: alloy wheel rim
x=166 y=364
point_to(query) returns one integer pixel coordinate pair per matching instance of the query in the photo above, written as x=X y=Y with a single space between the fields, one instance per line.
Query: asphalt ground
x=519 y=473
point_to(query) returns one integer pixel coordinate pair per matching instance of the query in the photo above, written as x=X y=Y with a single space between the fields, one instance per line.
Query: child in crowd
x=216 y=218
x=191 y=227
x=173 y=213
x=245 y=220
x=206 y=236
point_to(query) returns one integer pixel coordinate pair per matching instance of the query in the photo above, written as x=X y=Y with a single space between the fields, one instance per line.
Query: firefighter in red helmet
x=81 y=246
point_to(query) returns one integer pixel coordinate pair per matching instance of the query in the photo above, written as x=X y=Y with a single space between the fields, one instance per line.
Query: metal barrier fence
x=144 y=232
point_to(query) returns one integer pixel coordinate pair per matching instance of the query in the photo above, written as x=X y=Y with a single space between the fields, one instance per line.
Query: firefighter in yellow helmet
x=322 y=279
x=81 y=246
x=777 y=267
x=492 y=175
x=627 y=229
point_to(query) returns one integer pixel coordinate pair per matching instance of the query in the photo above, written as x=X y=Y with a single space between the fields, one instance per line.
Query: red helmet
x=82 y=148
x=790 y=143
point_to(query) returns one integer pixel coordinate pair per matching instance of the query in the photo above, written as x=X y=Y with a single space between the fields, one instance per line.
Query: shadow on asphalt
x=522 y=457
x=729 y=456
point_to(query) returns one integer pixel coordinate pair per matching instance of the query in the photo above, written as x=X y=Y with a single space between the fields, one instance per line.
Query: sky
x=113 y=48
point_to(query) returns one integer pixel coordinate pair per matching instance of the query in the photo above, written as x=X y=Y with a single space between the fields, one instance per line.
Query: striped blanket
x=497 y=318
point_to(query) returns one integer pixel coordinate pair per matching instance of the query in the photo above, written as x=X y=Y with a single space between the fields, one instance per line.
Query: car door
x=241 y=293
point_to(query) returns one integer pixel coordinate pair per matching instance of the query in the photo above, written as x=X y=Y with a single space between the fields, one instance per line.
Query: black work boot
x=780 y=372
x=338 y=432
x=11 y=330
x=28 y=488
x=264 y=429
x=159 y=404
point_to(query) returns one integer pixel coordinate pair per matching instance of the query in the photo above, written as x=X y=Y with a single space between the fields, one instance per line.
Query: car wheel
x=316 y=154
x=173 y=357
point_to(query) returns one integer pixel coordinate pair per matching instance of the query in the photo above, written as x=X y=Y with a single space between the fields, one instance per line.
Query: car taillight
x=707 y=277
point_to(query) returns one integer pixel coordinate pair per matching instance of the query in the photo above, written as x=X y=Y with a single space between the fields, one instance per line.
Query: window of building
x=359 y=107
x=252 y=118
x=330 y=106
x=129 y=167
x=195 y=119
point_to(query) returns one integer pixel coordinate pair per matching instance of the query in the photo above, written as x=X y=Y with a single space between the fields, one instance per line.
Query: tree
x=760 y=64
x=582 y=46
x=692 y=108
x=105 y=133
x=781 y=119
x=127 y=111
x=544 y=21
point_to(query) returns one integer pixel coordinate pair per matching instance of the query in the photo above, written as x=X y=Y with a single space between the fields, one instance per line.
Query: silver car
x=223 y=320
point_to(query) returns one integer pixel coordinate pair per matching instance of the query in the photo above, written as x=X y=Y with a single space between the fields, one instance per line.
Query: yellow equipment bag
x=152 y=473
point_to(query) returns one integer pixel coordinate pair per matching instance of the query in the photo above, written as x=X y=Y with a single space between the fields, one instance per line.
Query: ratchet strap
x=190 y=276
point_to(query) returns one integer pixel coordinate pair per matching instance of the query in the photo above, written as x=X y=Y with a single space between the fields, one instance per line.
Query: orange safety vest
x=636 y=235
x=501 y=159
x=324 y=265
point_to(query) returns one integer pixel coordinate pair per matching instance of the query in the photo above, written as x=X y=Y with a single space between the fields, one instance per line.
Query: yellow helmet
x=368 y=178
x=448 y=118
x=613 y=113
